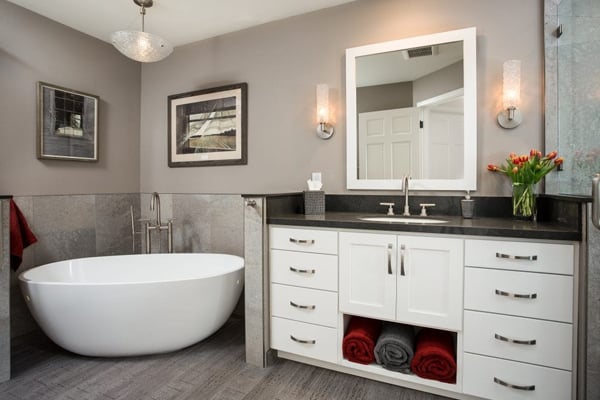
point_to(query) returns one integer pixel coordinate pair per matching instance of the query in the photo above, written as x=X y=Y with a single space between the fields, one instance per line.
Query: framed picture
x=208 y=127
x=67 y=124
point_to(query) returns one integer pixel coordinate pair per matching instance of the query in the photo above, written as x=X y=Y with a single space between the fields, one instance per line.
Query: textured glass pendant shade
x=141 y=46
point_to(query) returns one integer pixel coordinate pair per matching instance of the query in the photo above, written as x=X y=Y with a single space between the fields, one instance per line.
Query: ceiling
x=178 y=21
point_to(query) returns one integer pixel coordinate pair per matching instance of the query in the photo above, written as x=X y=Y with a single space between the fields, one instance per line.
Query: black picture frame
x=67 y=124
x=208 y=127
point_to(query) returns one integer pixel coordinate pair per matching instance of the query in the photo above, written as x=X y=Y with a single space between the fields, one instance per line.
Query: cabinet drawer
x=480 y=373
x=541 y=342
x=304 y=339
x=308 y=240
x=317 y=271
x=306 y=305
x=491 y=290
x=521 y=256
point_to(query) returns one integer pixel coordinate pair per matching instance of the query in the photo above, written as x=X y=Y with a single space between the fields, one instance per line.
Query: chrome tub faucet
x=157 y=225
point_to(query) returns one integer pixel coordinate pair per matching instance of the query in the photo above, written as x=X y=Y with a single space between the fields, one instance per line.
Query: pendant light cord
x=143 y=12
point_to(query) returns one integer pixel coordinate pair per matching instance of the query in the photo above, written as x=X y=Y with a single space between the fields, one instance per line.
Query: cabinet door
x=368 y=274
x=430 y=281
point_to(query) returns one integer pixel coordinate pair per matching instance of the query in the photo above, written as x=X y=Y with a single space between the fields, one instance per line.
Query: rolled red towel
x=360 y=339
x=434 y=356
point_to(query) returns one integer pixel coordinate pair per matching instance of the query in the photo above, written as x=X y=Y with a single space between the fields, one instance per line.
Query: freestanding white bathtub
x=133 y=305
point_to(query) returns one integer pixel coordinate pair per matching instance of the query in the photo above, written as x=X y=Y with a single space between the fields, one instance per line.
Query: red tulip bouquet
x=525 y=171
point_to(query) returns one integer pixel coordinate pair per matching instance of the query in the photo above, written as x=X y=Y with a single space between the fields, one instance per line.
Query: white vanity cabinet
x=518 y=331
x=509 y=303
x=410 y=279
x=304 y=299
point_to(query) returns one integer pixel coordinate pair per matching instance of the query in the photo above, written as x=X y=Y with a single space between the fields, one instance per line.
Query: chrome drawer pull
x=509 y=340
x=515 y=295
x=528 y=388
x=303 y=271
x=511 y=257
x=402 y=248
x=301 y=306
x=302 y=340
x=389 y=254
x=302 y=241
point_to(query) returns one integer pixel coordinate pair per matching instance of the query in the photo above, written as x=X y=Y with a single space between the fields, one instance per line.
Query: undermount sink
x=404 y=220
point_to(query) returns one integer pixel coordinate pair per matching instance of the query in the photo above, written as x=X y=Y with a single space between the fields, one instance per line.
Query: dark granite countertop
x=5 y=197
x=456 y=225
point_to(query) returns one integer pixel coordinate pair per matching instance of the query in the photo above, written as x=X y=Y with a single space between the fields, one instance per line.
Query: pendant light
x=141 y=46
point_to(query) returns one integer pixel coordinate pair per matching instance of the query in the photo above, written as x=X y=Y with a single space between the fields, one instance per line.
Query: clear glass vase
x=524 y=201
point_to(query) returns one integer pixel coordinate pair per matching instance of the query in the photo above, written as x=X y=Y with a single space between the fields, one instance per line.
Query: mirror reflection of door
x=389 y=144
x=442 y=131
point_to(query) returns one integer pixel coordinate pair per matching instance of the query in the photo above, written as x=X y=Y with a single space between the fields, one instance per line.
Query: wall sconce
x=324 y=128
x=511 y=116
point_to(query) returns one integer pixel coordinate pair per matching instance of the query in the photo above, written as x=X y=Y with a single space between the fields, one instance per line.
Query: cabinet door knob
x=515 y=341
x=302 y=271
x=511 y=257
x=528 y=388
x=311 y=307
x=516 y=295
x=303 y=341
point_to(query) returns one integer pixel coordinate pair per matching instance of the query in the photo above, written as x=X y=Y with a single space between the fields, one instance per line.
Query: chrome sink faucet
x=406 y=212
x=157 y=225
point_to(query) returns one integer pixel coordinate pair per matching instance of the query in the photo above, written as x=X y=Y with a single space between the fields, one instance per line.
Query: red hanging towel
x=20 y=235
x=359 y=342
x=434 y=356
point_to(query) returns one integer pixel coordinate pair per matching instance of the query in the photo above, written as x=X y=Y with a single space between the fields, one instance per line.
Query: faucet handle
x=390 y=207
x=424 y=208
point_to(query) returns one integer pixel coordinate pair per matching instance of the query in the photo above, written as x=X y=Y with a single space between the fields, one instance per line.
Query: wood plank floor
x=214 y=369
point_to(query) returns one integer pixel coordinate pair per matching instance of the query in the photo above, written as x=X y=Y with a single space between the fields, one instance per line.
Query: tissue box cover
x=314 y=202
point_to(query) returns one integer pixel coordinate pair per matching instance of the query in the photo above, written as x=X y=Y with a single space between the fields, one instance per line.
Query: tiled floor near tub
x=214 y=369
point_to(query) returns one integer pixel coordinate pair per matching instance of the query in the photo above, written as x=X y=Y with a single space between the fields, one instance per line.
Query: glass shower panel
x=578 y=95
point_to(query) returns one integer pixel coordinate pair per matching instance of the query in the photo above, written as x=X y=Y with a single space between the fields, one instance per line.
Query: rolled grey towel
x=395 y=347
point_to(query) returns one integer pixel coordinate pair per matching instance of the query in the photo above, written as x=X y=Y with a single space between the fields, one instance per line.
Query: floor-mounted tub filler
x=135 y=304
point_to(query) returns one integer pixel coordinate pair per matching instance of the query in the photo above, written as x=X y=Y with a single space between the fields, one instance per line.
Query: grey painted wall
x=283 y=61
x=438 y=82
x=32 y=49
x=384 y=97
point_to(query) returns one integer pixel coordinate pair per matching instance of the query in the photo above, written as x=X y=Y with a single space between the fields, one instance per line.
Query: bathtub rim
x=21 y=278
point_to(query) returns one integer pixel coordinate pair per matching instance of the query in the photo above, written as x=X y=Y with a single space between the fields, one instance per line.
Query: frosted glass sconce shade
x=511 y=88
x=511 y=116
x=324 y=128
x=139 y=45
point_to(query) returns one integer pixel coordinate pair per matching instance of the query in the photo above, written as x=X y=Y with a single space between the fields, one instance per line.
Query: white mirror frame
x=469 y=181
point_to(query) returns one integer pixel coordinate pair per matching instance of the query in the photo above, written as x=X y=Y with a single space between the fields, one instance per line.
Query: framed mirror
x=411 y=109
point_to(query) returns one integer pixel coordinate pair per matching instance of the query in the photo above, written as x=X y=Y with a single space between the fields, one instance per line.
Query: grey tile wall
x=572 y=123
x=256 y=283
x=208 y=223
x=113 y=224
x=65 y=227
x=4 y=292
